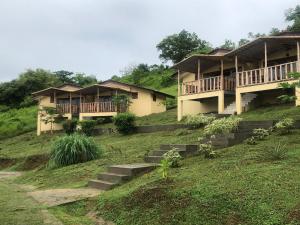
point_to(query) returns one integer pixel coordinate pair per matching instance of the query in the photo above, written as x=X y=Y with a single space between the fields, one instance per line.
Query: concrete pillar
x=297 y=94
x=38 y=127
x=238 y=102
x=221 y=102
x=179 y=109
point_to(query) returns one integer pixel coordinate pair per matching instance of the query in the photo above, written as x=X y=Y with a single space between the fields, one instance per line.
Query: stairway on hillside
x=246 y=100
x=118 y=174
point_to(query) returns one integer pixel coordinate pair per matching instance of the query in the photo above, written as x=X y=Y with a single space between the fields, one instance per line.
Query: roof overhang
x=49 y=91
x=97 y=87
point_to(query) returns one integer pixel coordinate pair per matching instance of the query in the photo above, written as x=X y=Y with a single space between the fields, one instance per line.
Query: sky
x=102 y=37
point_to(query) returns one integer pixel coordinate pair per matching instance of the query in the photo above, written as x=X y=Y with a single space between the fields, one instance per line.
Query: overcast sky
x=102 y=37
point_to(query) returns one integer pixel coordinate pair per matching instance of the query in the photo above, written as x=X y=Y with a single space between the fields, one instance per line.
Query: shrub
x=173 y=157
x=164 y=168
x=87 y=127
x=125 y=123
x=70 y=126
x=251 y=141
x=197 y=121
x=72 y=149
x=277 y=152
x=207 y=150
x=222 y=126
x=284 y=126
x=260 y=133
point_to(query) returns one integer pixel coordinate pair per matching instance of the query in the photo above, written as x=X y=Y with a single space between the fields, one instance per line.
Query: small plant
x=197 y=121
x=87 y=127
x=251 y=141
x=277 y=152
x=207 y=150
x=284 y=126
x=222 y=126
x=125 y=123
x=164 y=168
x=73 y=149
x=173 y=157
x=70 y=126
x=122 y=102
x=260 y=133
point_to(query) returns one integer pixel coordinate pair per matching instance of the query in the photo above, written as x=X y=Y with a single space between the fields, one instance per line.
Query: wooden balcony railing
x=65 y=108
x=259 y=76
x=207 y=84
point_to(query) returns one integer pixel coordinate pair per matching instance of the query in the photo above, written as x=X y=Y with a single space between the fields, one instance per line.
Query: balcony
x=276 y=73
x=208 y=85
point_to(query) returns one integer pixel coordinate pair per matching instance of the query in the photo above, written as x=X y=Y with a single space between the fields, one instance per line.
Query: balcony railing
x=65 y=108
x=259 y=76
x=207 y=85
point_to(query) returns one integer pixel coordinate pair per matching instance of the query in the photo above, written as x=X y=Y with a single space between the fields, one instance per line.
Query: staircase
x=246 y=100
x=119 y=174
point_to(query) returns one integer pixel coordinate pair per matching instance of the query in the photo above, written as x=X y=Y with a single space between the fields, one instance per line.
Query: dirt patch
x=7 y=162
x=97 y=219
x=34 y=162
x=4 y=175
x=233 y=219
x=294 y=215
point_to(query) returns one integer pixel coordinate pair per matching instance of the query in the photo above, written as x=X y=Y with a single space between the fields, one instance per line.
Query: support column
x=298 y=56
x=221 y=102
x=266 y=64
x=297 y=94
x=80 y=102
x=222 y=75
x=71 y=105
x=179 y=109
x=54 y=98
x=236 y=72
x=198 y=74
x=238 y=102
x=178 y=85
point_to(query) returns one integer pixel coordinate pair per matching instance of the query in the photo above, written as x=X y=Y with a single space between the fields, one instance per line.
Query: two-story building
x=228 y=82
x=72 y=101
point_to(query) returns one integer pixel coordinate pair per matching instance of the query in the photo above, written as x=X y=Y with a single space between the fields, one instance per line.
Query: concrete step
x=132 y=169
x=113 y=177
x=153 y=159
x=180 y=147
x=158 y=153
x=102 y=185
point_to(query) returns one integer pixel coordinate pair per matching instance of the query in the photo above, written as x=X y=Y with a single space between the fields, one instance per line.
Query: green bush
x=284 y=126
x=125 y=123
x=73 y=149
x=251 y=141
x=277 y=152
x=173 y=157
x=222 y=126
x=164 y=168
x=87 y=127
x=260 y=133
x=207 y=150
x=70 y=126
x=197 y=121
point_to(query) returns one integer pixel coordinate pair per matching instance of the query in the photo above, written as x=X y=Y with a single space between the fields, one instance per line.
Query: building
x=72 y=101
x=228 y=82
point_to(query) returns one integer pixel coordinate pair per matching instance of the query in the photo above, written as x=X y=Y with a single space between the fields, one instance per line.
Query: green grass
x=16 y=208
x=168 y=117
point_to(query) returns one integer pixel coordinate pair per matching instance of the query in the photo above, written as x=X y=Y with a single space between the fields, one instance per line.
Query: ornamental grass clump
x=222 y=126
x=198 y=121
x=73 y=149
x=284 y=126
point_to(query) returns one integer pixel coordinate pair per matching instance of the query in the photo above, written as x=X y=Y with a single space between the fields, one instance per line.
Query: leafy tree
x=228 y=44
x=177 y=46
x=293 y=15
x=243 y=41
x=274 y=31
x=139 y=72
x=122 y=102
x=83 y=80
x=64 y=76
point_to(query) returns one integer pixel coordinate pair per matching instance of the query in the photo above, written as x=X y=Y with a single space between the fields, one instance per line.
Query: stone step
x=158 y=153
x=102 y=185
x=153 y=159
x=132 y=169
x=179 y=147
x=113 y=177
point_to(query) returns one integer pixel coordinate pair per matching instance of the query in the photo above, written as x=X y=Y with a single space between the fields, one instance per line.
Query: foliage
x=73 y=149
x=87 y=127
x=228 y=44
x=251 y=141
x=260 y=133
x=173 y=157
x=70 y=126
x=49 y=115
x=164 y=168
x=284 y=126
x=207 y=150
x=122 y=102
x=197 y=121
x=81 y=79
x=222 y=126
x=177 y=46
x=293 y=15
x=125 y=122
x=275 y=152
x=287 y=98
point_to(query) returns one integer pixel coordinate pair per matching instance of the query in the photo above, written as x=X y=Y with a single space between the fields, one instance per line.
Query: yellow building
x=96 y=101
x=228 y=82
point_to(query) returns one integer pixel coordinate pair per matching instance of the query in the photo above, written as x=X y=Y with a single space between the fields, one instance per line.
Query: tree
x=228 y=44
x=177 y=46
x=122 y=102
x=293 y=15
x=274 y=31
x=139 y=72
x=64 y=76
x=243 y=41
x=50 y=115
x=83 y=80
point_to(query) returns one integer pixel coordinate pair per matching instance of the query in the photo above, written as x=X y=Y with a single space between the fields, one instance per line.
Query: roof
x=94 y=88
x=136 y=86
x=219 y=51
x=49 y=91
x=69 y=84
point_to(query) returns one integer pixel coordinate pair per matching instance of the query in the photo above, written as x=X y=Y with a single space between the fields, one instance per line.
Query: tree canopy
x=293 y=15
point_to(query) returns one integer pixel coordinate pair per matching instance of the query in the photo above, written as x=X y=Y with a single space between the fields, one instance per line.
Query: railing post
x=236 y=72
x=266 y=64
x=222 y=75
x=178 y=80
x=298 y=56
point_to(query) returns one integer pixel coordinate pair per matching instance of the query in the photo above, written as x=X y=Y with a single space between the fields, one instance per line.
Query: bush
x=73 y=149
x=197 y=121
x=125 y=123
x=207 y=150
x=164 y=168
x=277 y=152
x=284 y=126
x=251 y=141
x=70 y=126
x=260 y=133
x=173 y=157
x=222 y=126
x=88 y=127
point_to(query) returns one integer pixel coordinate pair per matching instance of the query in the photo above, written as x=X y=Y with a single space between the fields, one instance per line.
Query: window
x=154 y=97
x=52 y=98
x=134 y=95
